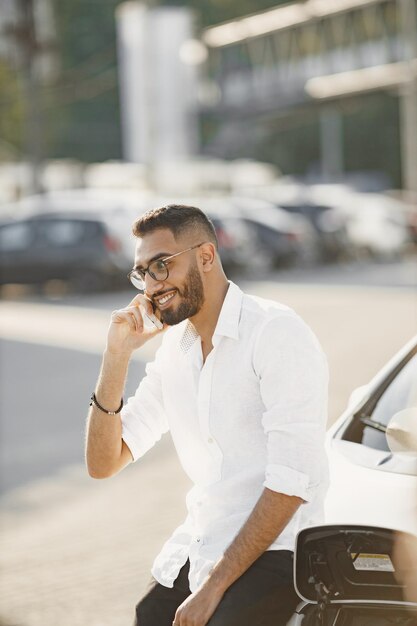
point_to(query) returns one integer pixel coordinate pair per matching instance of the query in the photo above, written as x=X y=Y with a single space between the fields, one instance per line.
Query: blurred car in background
x=370 y=484
x=377 y=226
x=82 y=236
x=83 y=248
x=328 y=222
x=283 y=239
x=330 y=227
x=234 y=239
x=269 y=238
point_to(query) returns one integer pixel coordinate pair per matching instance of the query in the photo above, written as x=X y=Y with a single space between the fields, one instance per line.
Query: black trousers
x=263 y=596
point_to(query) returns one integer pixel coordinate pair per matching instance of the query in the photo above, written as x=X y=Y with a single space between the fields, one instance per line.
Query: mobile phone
x=150 y=321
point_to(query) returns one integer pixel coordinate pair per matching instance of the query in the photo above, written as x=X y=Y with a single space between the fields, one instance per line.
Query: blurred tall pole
x=158 y=89
x=408 y=98
x=331 y=143
x=28 y=48
x=135 y=78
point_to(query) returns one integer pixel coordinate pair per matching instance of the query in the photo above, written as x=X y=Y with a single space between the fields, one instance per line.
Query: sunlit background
x=293 y=125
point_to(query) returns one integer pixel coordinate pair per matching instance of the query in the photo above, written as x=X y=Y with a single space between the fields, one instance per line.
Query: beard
x=192 y=299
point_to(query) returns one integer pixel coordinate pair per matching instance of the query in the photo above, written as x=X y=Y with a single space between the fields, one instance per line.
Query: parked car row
x=84 y=236
x=348 y=223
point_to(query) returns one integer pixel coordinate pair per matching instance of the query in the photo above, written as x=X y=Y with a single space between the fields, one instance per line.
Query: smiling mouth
x=165 y=299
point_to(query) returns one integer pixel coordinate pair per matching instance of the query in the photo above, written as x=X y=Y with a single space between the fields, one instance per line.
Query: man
x=241 y=383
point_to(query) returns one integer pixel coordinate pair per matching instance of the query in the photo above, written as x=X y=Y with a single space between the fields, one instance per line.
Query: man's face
x=181 y=295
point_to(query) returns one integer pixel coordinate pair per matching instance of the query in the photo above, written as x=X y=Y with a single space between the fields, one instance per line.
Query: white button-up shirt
x=252 y=416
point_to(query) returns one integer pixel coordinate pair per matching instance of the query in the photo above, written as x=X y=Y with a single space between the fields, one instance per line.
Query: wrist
x=216 y=583
x=96 y=403
x=120 y=355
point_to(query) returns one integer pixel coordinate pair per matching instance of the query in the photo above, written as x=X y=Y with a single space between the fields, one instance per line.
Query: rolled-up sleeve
x=293 y=374
x=143 y=417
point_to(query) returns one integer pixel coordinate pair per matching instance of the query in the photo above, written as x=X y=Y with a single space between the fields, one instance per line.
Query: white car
x=378 y=225
x=369 y=483
x=352 y=571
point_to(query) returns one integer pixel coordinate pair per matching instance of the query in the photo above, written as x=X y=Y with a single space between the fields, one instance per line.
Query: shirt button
x=210 y=440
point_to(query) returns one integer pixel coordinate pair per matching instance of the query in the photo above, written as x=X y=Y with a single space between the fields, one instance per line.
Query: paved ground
x=77 y=552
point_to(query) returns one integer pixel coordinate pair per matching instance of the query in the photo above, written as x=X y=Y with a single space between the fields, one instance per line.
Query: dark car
x=327 y=222
x=329 y=226
x=83 y=249
x=234 y=239
x=274 y=238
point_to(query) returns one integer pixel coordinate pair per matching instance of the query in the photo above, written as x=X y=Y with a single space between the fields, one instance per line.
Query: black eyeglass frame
x=142 y=273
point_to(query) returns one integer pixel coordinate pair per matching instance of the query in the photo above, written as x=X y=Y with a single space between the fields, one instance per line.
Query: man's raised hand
x=127 y=331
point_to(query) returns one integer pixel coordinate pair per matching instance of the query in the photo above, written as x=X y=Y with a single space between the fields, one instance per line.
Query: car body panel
x=350 y=575
x=368 y=485
x=337 y=563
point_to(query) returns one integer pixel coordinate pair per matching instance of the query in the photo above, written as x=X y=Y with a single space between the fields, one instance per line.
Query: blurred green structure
x=59 y=83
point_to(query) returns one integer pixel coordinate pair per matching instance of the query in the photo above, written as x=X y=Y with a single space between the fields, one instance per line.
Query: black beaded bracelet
x=98 y=405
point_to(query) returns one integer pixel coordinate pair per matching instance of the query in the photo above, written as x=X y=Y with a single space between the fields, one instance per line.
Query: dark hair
x=180 y=219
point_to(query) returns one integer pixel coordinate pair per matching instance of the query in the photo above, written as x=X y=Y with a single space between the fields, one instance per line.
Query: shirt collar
x=227 y=323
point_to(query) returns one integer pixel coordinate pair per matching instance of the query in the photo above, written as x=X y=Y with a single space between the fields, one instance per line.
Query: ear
x=207 y=256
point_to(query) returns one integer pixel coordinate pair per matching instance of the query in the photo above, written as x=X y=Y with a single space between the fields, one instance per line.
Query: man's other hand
x=198 y=608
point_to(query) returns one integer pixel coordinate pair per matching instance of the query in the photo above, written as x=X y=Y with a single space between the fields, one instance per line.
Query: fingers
x=141 y=299
x=144 y=303
x=131 y=315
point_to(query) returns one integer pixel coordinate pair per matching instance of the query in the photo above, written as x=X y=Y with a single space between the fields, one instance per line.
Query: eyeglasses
x=158 y=270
